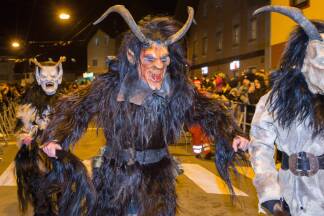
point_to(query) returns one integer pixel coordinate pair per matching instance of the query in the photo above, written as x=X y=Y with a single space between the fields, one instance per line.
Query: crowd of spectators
x=247 y=88
x=13 y=92
x=10 y=92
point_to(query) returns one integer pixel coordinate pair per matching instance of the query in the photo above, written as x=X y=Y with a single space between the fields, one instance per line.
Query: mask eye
x=165 y=59
x=149 y=58
x=42 y=76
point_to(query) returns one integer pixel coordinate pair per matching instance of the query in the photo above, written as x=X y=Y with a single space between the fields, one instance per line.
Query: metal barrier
x=243 y=114
x=7 y=123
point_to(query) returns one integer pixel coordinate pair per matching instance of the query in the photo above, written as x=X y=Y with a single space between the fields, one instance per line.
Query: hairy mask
x=313 y=67
x=153 y=63
x=313 y=64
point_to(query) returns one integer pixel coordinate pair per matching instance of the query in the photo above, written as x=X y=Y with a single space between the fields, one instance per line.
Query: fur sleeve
x=218 y=124
x=72 y=113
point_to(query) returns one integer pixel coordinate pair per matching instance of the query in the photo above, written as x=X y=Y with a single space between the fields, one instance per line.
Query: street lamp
x=15 y=44
x=64 y=16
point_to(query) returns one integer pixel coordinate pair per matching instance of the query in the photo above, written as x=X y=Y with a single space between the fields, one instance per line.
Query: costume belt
x=144 y=157
x=302 y=163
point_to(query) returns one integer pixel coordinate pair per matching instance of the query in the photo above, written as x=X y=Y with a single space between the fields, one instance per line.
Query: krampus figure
x=142 y=105
x=292 y=116
x=39 y=178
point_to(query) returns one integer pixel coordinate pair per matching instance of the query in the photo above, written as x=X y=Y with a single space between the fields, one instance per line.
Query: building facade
x=228 y=39
x=99 y=47
x=281 y=26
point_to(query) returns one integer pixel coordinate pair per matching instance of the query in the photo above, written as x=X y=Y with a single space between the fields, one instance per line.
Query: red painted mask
x=153 y=65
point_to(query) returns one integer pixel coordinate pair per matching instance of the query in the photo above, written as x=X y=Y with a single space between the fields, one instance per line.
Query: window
x=194 y=50
x=218 y=3
x=97 y=41
x=219 y=41
x=106 y=40
x=236 y=35
x=253 y=29
x=204 y=45
x=94 y=62
x=205 y=9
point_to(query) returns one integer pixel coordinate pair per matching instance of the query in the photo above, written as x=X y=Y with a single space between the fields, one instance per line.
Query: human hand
x=276 y=208
x=240 y=143
x=50 y=148
x=25 y=139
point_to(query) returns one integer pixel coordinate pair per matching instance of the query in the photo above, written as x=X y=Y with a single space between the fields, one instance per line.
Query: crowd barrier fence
x=242 y=113
x=7 y=123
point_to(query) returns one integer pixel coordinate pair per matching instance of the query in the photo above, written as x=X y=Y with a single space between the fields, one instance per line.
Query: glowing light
x=64 y=16
x=15 y=44
x=234 y=65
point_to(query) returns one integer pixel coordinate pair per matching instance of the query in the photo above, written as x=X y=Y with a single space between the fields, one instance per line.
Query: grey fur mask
x=313 y=67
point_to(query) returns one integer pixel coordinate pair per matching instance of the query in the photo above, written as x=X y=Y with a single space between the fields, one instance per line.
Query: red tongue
x=157 y=77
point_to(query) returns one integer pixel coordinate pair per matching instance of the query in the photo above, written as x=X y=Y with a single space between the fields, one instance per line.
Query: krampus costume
x=34 y=170
x=142 y=105
x=292 y=116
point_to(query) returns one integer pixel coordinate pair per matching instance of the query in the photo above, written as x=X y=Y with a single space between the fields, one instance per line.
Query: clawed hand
x=240 y=143
x=50 y=149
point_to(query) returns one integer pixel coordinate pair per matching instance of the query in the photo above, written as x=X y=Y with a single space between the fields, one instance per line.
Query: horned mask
x=313 y=66
x=154 y=58
x=49 y=74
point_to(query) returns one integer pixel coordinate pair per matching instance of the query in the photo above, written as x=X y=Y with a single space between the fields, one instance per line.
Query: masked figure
x=33 y=113
x=292 y=116
x=142 y=105
x=34 y=169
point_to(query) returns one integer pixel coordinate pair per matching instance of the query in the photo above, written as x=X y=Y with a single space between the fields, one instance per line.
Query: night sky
x=36 y=23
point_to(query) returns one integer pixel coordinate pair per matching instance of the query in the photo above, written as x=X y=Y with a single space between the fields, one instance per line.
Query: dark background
x=36 y=25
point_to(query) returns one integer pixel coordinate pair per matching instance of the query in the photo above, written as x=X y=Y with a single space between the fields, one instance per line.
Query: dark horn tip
x=107 y=12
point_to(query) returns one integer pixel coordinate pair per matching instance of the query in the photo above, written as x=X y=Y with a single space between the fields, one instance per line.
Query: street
x=200 y=189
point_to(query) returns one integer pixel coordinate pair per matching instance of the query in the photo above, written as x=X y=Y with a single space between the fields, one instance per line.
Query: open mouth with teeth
x=157 y=77
x=49 y=85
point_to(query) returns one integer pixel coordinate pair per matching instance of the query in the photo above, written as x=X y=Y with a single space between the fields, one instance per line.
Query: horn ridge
x=128 y=19
x=34 y=60
x=178 y=35
x=296 y=15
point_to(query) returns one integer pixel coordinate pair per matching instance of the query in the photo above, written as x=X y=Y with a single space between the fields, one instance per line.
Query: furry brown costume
x=137 y=173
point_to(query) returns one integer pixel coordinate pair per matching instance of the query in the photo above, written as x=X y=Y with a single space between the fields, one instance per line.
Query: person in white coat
x=291 y=116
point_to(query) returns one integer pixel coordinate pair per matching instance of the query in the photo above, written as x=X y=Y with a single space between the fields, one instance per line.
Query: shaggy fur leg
x=151 y=187
x=29 y=180
x=157 y=195
x=114 y=188
x=69 y=180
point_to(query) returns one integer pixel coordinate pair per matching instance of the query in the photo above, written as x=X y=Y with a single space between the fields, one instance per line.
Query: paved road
x=200 y=190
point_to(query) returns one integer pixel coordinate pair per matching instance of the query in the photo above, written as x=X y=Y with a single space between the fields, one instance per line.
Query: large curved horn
x=34 y=60
x=128 y=19
x=177 y=36
x=296 y=15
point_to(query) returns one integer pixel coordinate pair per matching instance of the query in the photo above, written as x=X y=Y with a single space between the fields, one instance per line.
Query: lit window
x=94 y=62
x=253 y=30
x=194 y=50
x=97 y=41
x=219 y=41
x=236 y=35
x=204 y=45
x=106 y=40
